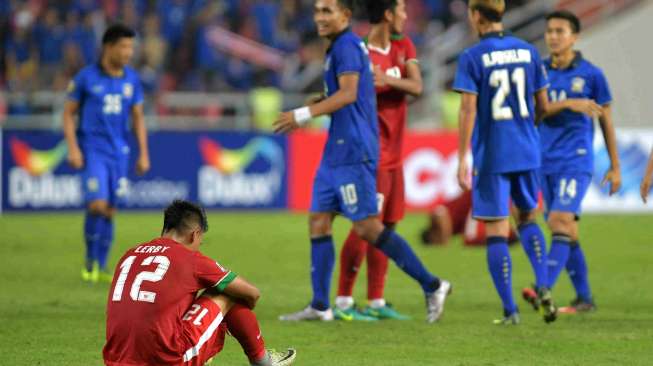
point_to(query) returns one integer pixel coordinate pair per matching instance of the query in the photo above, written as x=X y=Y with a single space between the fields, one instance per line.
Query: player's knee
x=561 y=223
x=369 y=229
x=525 y=217
x=223 y=301
x=99 y=208
x=319 y=224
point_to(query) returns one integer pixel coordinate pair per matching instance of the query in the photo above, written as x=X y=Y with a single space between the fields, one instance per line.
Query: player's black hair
x=116 y=32
x=488 y=13
x=183 y=216
x=376 y=9
x=347 y=4
x=573 y=20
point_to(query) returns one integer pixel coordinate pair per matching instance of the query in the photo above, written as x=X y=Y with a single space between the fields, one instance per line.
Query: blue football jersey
x=505 y=72
x=567 y=138
x=105 y=104
x=354 y=131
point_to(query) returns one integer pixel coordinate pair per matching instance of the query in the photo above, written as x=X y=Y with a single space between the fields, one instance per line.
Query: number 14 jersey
x=504 y=72
x=153 y=286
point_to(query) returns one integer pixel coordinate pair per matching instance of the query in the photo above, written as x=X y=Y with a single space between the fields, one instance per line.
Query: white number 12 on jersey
x=135 y=293
x=500 y=79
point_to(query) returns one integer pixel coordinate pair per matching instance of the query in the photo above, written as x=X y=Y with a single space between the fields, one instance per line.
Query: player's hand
x=379 y=77
x=586 y=106
x=76 y=158
x=645 y=188
x=612 y=176
x=142 y=164
x=285 y=123
x=463 y=176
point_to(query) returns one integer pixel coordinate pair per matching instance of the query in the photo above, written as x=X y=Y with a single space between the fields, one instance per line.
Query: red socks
x=242 y=324
x=351 y=257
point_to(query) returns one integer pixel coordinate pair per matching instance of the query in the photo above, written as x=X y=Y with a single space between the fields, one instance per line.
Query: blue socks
x=557 y=258
x=323 y=258
x=92 y=234
x=396 y=248
x=106 y=239
x=577 y=269
x=500 y=265
x=534 y=245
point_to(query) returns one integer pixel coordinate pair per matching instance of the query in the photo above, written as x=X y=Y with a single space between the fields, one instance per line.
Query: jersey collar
x=499 y=34
x=578 y=58
x=333 y=41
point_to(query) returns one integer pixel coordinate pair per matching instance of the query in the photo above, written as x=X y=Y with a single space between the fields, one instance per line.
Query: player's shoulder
x=88 y=71
x=131 y=73
x=402 y=40
x=346 y=41
x=589 y=66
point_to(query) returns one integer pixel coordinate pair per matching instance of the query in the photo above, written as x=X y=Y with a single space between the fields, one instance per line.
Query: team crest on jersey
x=127 y=90
x=577 y=85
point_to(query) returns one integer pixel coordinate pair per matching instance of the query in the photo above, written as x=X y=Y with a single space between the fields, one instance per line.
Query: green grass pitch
x=49 y=317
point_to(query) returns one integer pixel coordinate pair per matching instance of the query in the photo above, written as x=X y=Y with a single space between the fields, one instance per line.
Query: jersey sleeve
x=411 y=51
x=138 y=91
x=347 y=58
x=467 y=77
x=210 y=273
x=76 y=88
x=541 y=78
x=601 y=90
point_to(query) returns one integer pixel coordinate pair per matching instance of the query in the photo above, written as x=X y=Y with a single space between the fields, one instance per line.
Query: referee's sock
x=534 y=245
x=322 y=261
x=395 y=247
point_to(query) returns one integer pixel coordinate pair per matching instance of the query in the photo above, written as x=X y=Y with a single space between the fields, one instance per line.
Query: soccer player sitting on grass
x=154 y=313
x=579 y=93
x=345 y=182
x=396 y=75
x=503 y=86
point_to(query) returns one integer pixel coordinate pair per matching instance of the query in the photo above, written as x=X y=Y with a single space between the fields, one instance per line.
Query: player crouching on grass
x=154 y=313
x=579 y=93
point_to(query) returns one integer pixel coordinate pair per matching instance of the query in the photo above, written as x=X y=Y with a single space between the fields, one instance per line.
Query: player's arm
x=347 y=94
x=244 y=291
x=75 y=157
x=411 y=84
x=645 y=187
x=613 y=175
x=578 y=105
x=140 y=131
x=541 y=104
x=466 y=119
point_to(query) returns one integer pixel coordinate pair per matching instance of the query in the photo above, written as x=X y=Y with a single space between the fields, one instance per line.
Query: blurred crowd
x=182 y=44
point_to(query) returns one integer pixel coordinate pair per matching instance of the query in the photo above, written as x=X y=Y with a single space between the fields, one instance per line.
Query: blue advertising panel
x=222 y=170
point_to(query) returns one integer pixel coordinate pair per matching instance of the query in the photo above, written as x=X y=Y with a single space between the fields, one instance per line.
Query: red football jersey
x=391 y=103
x=153 y=286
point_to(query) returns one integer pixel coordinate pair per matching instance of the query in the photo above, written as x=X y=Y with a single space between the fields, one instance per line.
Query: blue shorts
x=348 y=189
x=564 y=192
x=104 y=178
x=491 y=193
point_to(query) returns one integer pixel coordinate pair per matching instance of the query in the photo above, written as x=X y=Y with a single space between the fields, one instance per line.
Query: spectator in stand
x=49 y=35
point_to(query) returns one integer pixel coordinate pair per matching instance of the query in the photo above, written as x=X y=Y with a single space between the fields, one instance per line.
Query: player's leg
x=490 y=204
x=391 y=203
x=440 y=228
x=324 y=204
x=358 y=202
x=352 y=255
x=96 y=195
x=118 y=186
x=525 y=188
x=577 y=270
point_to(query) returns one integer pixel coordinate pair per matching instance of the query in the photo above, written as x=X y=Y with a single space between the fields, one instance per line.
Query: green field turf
x=49 y=317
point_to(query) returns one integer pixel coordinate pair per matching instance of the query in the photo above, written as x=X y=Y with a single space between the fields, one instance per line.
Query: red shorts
x=204 y=331
x=390 y=194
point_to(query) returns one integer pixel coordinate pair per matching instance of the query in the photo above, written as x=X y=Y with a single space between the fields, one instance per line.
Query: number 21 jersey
x=153 y=286
x=504 y=72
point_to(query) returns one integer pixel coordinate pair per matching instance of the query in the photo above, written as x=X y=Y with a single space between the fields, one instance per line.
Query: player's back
x=153 y=286
x=505 y=72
